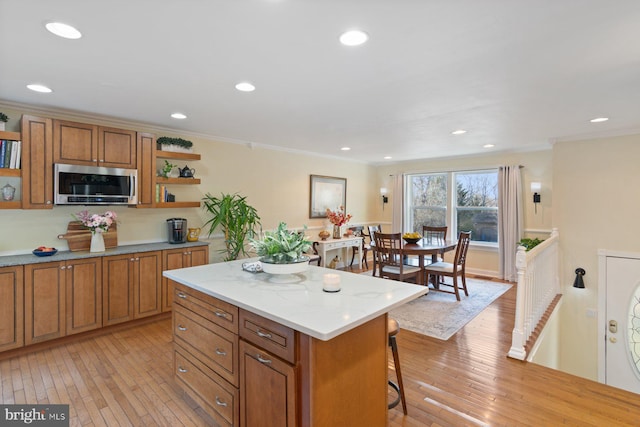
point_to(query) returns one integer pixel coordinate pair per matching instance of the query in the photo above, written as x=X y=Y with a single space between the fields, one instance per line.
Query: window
x=473 y=206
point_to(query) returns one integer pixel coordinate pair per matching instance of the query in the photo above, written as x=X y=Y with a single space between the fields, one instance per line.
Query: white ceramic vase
x=97 y=241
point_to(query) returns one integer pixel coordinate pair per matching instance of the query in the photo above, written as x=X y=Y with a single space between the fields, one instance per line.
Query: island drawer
x=275 y=338
x=211 y=344
x=219 y=312
x=220 y=399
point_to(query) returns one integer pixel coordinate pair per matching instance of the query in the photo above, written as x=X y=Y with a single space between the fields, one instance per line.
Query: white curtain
x=398 y=203
x=509 y=219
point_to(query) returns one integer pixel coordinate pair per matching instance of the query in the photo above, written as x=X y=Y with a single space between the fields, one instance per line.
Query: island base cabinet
x=218 y=398
x=11 y=312
x=268 y=389
x=180 y=258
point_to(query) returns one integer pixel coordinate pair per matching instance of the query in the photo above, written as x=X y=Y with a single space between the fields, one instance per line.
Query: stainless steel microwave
x=94 y=185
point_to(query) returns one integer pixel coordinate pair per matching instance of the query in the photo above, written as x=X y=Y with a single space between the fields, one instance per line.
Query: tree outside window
x=476 y=205
x=472 y=207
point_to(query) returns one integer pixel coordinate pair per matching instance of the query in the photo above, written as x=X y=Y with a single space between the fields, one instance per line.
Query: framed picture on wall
x=326 y=192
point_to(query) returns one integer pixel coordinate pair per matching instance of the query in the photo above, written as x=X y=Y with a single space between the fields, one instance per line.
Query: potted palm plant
x=237 y=219
x=281 y=250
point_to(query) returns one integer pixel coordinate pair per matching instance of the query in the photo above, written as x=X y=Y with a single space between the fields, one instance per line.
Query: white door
x=622 y=348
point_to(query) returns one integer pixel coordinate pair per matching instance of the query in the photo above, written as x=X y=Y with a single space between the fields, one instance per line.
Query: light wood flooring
x=125 y=377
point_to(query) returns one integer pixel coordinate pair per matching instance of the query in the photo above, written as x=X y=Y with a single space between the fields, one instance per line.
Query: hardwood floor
x=125 y=377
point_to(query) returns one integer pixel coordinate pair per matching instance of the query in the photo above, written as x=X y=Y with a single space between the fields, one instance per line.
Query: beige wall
x=276 y=183
x=537 y=167
x=595 y=186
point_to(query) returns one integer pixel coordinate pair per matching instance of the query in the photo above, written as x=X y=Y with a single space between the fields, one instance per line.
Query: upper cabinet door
x=37 y=163
x=75 y=143
x=91 y=145
x=116 y=148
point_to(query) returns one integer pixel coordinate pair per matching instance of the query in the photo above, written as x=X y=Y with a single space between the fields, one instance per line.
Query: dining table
x=422 y=248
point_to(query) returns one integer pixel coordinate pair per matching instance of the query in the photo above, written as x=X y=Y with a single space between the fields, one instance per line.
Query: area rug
x=439 y=315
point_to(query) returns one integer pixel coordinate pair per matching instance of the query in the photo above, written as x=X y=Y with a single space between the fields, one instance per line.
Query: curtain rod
x=456 y=170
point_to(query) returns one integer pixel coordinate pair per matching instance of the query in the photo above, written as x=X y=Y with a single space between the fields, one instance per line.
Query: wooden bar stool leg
x=393 y=330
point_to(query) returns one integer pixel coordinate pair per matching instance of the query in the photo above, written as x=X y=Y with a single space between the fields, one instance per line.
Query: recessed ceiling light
x=354 y=38
x=178 y=116
x=488 y=146
x=458 y=132
x=346 y=148
x=63 y=30
x=39 y=88
x=388 y=157
x=599 y=119
x=245 y=87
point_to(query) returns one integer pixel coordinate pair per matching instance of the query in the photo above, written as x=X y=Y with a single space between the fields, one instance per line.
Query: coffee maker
x=177 y=230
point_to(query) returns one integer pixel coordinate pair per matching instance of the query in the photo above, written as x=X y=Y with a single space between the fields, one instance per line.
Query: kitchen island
x=258 y=349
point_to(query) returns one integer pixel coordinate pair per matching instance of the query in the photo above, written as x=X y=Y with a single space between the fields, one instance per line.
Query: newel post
x=517 y=337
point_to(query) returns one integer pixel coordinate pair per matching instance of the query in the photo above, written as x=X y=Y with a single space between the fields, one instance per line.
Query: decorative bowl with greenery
x=282 y=246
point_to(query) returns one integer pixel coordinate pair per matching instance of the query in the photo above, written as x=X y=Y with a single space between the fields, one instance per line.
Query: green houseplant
x=529 y=243
x=282 y=246
x=3 y=119
x=175 y=144
x=237 y=219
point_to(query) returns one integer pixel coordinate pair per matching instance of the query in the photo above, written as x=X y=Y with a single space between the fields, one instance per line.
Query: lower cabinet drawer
x=220 y=399
x=273 y=337
x=211 y=344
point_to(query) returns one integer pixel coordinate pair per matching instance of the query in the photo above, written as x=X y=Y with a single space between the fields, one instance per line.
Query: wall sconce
x=535 y=187
x=579 y=283
x=385 y=199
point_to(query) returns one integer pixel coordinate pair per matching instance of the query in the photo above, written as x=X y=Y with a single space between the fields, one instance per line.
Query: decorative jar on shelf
x=8 y=192
x=324 y=234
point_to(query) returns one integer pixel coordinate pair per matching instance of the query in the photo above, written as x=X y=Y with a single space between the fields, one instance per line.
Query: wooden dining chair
x=358 y=231
x=372 y=229
x=388 y=248
x=453 y=270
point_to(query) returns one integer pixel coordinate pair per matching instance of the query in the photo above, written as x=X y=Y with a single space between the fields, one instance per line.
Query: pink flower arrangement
x=95 y=222
x=338 y=217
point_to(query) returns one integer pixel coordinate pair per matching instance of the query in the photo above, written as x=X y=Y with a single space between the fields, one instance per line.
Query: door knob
x=613 y=340
x=613 y=326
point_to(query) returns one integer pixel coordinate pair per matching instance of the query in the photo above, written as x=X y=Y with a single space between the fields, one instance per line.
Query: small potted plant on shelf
x=281 y=250
x=3 y=119
x=167 y=168
x=176 y=145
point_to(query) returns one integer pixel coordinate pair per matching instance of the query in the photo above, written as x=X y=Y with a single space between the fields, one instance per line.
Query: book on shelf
x=10 y=152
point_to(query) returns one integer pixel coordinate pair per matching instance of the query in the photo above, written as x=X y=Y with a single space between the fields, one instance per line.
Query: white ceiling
x=514 y=73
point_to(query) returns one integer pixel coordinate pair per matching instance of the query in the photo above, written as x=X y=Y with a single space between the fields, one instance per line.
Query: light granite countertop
x=11 y=260
x=298 y=301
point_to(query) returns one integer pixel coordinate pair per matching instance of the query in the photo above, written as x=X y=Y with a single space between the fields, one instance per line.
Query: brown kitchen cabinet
x=83 y=280
x=131 y=286
x=45 y=302
x=206 y=353
x=146 y=169
x=286 y=378
x=92 y=145
x=11 y=307
x=37 y=162
x=180 y=258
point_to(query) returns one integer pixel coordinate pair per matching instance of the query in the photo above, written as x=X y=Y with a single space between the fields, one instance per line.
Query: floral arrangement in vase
x=96 y=223
x=338 y=218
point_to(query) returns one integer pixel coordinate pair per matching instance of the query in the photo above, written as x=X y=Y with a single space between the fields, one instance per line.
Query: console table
x=331 y=244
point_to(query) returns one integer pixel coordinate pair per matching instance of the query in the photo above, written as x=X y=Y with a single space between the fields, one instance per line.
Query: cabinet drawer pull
x=181 y=369
x=221 y=352
x=182 y=328
x=263 y=334
x=262 y=360
x=220 y=314
x=220 y=402
x=181 y=295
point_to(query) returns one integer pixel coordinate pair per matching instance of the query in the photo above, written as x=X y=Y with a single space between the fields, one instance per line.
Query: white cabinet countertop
x=298 y=301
